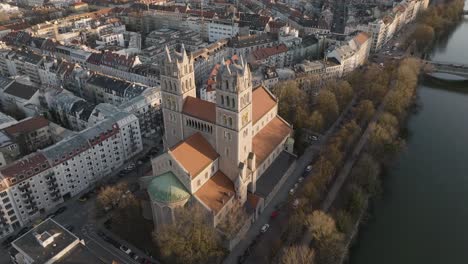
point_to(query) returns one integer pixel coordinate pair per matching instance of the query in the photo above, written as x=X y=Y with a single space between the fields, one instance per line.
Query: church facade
x=215 y=152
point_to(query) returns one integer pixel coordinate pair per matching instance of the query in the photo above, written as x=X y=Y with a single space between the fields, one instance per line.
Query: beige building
x=215 y=151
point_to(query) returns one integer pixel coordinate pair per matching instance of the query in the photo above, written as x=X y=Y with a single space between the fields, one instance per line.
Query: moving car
x=301 y=179
x=265 y=228
x=292 y=191
x=274 y=214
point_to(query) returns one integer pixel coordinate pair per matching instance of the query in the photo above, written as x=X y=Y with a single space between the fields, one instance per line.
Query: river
x=422 y=217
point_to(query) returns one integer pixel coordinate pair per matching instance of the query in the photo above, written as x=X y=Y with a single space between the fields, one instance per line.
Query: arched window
x=227 y=101
x=170 y=84
x=165 y=85
x=187 y=85
x=230 y=121
x=183 y=86
x=233 y=103
x=227 y=84
x=222 y=99
x=224 y=120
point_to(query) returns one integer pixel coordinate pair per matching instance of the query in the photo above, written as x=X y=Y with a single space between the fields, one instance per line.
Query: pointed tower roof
x=168 y=54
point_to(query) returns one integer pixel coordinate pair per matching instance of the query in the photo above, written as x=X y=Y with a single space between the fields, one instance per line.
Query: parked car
x=301 y=179
x=265 y=228
x=60 y=210
x=83 y=198
x=292 y=191
x=125 y=249
x=308 y=168
x=295 y=203
x=274 y=214
x=6 y=243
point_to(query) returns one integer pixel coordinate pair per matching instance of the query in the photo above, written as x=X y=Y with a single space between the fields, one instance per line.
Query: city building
x=215 y=152
x=50 y=242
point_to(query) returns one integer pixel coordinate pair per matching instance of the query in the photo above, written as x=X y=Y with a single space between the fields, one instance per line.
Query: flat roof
x=273 y=174
x=30 y=245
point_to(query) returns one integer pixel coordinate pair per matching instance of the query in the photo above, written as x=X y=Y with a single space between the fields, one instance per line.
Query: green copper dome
x=167 y=188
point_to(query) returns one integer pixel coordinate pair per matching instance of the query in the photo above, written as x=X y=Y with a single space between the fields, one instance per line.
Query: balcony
x=23 y=187
x=56 y=199
x=55 y=193
x=52 y=186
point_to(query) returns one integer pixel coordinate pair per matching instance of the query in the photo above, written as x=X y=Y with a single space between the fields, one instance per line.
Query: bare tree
x=299 y=254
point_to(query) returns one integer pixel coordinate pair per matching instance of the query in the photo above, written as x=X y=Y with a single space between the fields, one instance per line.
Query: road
x=348 y=165
x=82 y=216
x=257 y=242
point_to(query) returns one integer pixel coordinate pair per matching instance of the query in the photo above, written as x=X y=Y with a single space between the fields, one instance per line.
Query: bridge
x=460 y=70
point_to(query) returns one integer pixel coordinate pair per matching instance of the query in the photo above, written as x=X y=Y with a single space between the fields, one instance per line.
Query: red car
x=274 y=214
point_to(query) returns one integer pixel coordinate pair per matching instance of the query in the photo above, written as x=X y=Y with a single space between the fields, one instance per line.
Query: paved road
x=281 y=198
x=346 y=169
x=82 y=216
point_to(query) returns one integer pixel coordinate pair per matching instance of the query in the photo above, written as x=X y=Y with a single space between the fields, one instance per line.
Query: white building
x=43 y=179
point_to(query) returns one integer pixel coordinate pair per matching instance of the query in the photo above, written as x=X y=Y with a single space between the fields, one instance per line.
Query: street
x=276 y=226
x=82 y=217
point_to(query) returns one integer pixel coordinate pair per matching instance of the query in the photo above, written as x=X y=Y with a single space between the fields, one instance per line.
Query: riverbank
x=409 y=229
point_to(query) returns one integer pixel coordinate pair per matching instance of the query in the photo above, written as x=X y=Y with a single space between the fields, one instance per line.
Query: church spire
x=168 y=55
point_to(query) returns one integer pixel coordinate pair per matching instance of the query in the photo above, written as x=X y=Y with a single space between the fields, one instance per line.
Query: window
x=230 y=121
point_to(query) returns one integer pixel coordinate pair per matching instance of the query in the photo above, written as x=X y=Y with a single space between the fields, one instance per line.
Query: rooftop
x=21 y=90
x=194 y=154
x=27 y=125
x=267 y=139
x=216 y=191
x=200 y=109
x=167 y=188
x=262 y=102
x=25 y=168
x=45 y=241
x=264 y=53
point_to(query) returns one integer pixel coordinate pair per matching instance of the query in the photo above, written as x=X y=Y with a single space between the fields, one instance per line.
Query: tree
x=331 y=250
x=127 y=218
x=190 y=239
x=310 y=192
x=344 y=221
x=109 y=196
x=357 y=200
x=366 y=174
x=293 y=104
x=364 y=111
x=298 y=254
x=316 y=122
x=232 y=224
x=321 y=226
x=333 y=153
x=423 y=35
x=327 y=105
x=343 y=92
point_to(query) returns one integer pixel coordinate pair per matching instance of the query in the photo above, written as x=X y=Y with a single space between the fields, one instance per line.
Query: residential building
x=30 y=134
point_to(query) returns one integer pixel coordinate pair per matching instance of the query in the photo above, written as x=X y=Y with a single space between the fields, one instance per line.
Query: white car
x=292 y=191
x=301 y=179
x=125 y=249
x=264 y=228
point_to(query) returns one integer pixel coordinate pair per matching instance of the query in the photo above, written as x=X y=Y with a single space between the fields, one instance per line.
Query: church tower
x=234 y=122
x=177 y=83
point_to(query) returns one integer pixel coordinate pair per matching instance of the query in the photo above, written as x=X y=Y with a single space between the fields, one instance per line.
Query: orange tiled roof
x=200 y=109
x=194 y=154
x=262 y=102
x=216 y=191
x=361 y=38
x=267 y=139
x=264 y=53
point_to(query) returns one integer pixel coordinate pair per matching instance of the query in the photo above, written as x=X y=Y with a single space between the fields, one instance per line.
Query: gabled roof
x=194 y=154
x=200 y=109
x=216 y=191
x=267 y=139
x=27 y=125
x=25 y=168
x=264 y=53
x=262 y=102
x=361 y=38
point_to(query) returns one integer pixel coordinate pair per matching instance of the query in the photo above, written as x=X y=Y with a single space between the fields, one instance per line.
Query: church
x=214 y=151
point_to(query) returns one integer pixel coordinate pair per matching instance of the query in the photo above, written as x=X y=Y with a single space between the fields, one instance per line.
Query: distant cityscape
x=176 y=99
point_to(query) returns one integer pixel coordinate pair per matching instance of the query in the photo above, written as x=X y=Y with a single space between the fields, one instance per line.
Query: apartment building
x=39 y=181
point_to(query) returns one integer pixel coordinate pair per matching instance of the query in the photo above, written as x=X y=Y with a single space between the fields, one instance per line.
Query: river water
x=422 y=217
